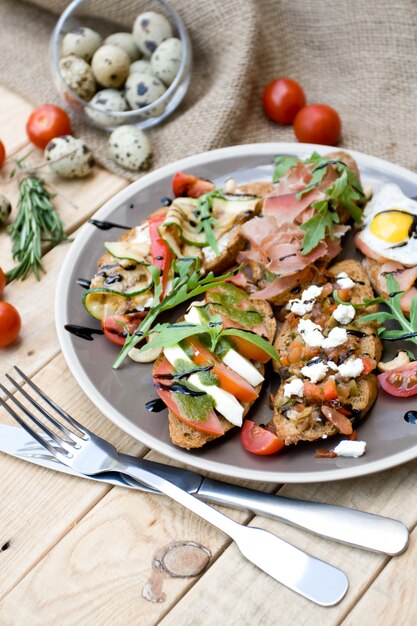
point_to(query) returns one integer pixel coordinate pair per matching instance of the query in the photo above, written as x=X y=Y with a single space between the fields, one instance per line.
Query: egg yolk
x=392 y=226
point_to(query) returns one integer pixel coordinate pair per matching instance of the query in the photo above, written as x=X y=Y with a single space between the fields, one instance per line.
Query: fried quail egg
x=390 y=227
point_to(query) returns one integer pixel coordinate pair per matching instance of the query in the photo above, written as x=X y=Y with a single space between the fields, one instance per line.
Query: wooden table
x=73 y=552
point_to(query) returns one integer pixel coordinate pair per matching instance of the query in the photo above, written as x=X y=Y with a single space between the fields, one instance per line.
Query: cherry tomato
x=2 y=153
x=161 y=252
x=10 y=324
x=229 y=380
x=210 y=425
x=318 y=123
x=191 y=186
x=2 y=281
x=117 y=333
x=401 y=382
x=47 y=122
x=282 y=99
x=258 y=440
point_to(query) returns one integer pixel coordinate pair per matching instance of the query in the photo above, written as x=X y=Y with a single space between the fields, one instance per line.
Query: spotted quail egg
x=125 y=41
x=77 y=74
x=107 y=100
x=130 y=148
x=110 y=66
x=69 y=157
x=143 y=89
x=5 y=209
x=141 y=66
x=82 y=42
x=166 y=60
x=149 y=30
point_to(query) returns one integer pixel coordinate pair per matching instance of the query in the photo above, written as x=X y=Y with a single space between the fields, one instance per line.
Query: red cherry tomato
x=318 y=123
x=117 y=333
x=401 y=382
x=2 y=281
x=2 y=153
x=187 y=185
x=258 y=440
x=47 y=122
x=282 y=99
x=10 y=324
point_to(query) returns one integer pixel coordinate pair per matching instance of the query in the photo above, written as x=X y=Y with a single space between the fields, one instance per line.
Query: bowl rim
x=186 y=59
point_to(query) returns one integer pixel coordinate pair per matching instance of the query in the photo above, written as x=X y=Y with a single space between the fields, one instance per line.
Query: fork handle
x=287 y=564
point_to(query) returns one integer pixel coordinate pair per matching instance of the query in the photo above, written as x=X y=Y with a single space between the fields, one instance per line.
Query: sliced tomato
x=258 y=440
x=210 y=425
x=117 y=333
x=330 y=391
x=313 y=393
x=187 y=185
x=401 y=382
x=161 y=253
x=229 y=380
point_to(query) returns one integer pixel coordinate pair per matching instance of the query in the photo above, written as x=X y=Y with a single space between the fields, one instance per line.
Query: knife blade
x=357 y=528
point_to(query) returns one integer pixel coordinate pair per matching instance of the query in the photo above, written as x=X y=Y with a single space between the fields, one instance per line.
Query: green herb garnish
x=393 y=302
x=187 y=283
x=207 y=222
x=36 y=222
x=281 y=166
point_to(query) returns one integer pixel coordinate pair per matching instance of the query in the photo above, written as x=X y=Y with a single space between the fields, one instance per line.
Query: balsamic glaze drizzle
x=356 y=333
x=107 y=225
x=195 y=370
x=165 y=201
x=83 y=282
x=411 y=417
x=180 y=388
x=405 y=336
x=83 y=332
x=155 y=406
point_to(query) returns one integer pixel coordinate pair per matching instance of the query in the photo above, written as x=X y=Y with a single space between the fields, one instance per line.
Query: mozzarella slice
x=225 y=403
x=232 y=359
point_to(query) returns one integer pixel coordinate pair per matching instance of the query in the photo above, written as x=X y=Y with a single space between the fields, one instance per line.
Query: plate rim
x=267 y=149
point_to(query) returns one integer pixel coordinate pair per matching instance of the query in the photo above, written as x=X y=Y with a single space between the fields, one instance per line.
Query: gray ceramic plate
x=121 y=395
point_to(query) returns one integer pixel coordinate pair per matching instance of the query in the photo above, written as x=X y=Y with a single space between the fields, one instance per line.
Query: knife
x=357 y=528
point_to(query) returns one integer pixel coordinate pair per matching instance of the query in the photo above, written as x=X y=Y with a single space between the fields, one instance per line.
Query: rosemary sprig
x=36 y=221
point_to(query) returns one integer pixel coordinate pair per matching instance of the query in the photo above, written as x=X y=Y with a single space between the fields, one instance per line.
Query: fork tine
x=60 y=442
x=28 y=429
x=44 y=412
x=53 y=404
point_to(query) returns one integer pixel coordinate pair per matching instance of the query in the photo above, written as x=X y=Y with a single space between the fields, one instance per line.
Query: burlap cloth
x=358 y=56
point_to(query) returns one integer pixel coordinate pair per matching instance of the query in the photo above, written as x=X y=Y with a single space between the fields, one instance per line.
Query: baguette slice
x=183 y=435
x=370 y=346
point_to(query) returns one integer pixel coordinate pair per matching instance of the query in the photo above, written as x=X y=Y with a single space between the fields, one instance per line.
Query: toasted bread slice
x=257 y=188
x=183 y=435
x=310 y=429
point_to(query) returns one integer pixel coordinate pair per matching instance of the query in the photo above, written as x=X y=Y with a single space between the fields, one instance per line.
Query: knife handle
x=356 y=528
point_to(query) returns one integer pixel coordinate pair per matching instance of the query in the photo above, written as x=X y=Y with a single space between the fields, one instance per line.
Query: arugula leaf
x=317 y=176
x=166 y=335
x=281 y=166
x=253 y=338
x=207 y=221
x=315 y=228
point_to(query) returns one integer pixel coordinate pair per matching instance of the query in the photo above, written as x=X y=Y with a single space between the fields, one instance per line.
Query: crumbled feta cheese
x=315 y=372
x=344 y=281
x=141 y=234
x=332 y=366
x=311 y=333
x=294 y=388
x=351 y=368
x=350 y=448
x=344 y=313
x=335 y=338
x=306 y=302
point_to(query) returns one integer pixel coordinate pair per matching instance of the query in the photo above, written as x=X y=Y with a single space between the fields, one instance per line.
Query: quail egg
x=149 y=30
x=77 y=74
x=82 y=43
x=141 y=66
x=5 y=209
x=130 y=148
x=107 y=100
x=166 y=60
x=125 y=41
x=110 y=66
x=69 y=157
x=143 y=89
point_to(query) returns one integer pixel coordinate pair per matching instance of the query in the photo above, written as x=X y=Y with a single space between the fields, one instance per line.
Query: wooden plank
x=215 y=594
x=14 y=112
x=39 y=506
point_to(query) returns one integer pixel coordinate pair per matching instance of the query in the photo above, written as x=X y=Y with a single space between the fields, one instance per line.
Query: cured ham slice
x=406 y=277
x=285 y=283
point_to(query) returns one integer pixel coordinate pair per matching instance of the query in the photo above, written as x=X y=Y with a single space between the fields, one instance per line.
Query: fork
x=79 y=448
